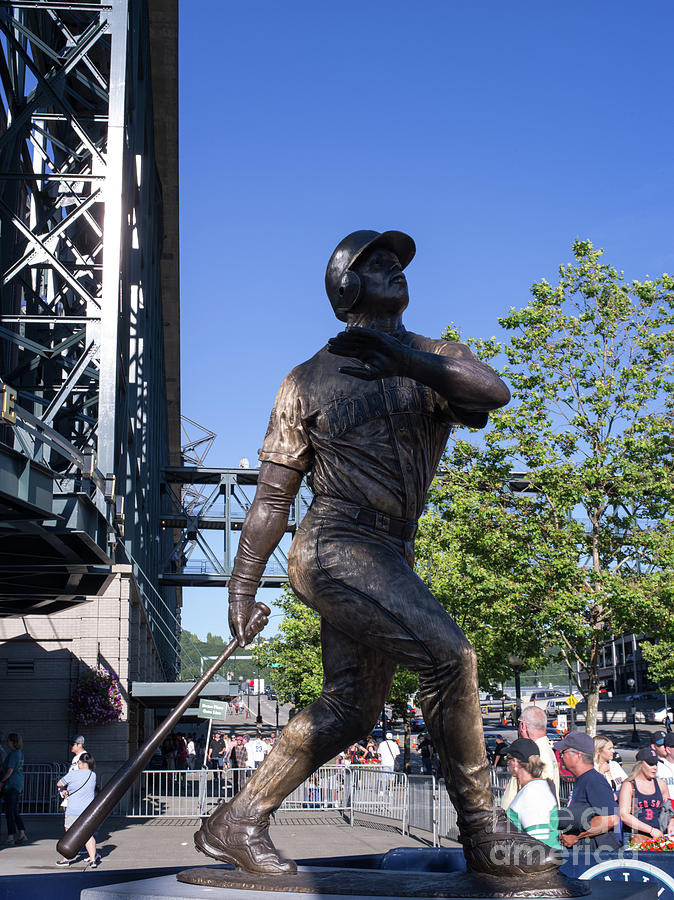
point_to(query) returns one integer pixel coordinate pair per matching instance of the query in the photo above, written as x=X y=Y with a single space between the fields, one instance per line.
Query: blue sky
x=494 y=133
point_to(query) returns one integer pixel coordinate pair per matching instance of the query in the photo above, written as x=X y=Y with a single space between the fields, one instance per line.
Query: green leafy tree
x=192 y=649
x=660 y=659
x=294 y=654
x=579 y=546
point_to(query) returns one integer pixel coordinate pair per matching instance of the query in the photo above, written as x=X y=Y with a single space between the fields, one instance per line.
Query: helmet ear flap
x=348 y=290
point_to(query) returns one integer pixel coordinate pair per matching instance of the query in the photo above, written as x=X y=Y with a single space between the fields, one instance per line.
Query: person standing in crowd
x=658 y=743
x=191 y=752
x=533 y=724
x=11 y=784
x=644 y=799
x=238 y=759
x=215 y=750
x=426 y=751
x=77 y=749
x=79 y=785
x=591 y=818
x=181 y=751
x=500 y=752
x=388 y=752
x=604 y=763
x=534 y=807
x=370 y=755
x=666 y=766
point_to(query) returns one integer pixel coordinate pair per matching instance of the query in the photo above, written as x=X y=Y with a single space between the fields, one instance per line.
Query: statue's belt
x=403 y=529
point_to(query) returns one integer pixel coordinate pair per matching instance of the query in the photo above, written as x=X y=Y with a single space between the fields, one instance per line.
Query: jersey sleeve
x=287 y=439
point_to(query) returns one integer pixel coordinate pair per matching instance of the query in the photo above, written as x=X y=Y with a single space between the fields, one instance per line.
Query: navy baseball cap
x=523 y=749
x=659 y=738
x=78 y=739
x=669 y=740
x=648 y=756
x=576 y=740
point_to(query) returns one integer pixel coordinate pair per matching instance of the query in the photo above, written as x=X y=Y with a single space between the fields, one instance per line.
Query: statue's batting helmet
x=341 y=283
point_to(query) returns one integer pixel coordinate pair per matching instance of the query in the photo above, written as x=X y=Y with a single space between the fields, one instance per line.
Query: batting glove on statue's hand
x=246 y=618
x=241 y=607
x=382 y=355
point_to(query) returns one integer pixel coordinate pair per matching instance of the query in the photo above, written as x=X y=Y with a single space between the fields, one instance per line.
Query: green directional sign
x=213 y=709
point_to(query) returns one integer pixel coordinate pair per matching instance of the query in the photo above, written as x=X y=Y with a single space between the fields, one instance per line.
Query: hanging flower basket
x=96 y=700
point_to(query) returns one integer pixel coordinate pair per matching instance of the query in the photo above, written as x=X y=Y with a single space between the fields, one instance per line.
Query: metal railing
x=40 y=796
x=409 y=801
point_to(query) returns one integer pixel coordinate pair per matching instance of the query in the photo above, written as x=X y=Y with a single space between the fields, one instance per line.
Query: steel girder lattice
x=82 y=371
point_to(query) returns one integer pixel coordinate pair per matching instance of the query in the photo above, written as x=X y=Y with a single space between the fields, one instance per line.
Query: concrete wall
x=41 y=658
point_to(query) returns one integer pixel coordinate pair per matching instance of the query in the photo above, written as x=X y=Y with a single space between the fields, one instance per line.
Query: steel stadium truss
x=89 y=381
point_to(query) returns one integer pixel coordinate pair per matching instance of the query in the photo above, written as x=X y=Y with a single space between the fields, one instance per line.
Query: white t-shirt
x=665 y=771
x=388 y=752
x=615 y=774
x=73 y=765
x=534 y=810
x=256 y=751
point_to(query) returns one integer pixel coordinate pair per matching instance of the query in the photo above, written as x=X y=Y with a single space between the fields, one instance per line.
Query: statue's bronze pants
x=376 y=613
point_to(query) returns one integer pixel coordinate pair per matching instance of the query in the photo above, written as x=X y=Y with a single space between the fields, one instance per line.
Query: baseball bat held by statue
x=104 y=802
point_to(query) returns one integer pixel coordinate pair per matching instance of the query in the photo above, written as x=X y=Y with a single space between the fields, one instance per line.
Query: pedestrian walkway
x=165 y=846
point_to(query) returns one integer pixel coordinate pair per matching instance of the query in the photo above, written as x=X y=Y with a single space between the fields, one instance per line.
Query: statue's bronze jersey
x=373 y=443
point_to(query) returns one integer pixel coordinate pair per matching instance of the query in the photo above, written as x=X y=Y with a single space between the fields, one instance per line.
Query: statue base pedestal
x=223 y=883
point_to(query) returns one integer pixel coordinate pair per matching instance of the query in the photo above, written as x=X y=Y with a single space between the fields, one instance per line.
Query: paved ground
x=130 y=844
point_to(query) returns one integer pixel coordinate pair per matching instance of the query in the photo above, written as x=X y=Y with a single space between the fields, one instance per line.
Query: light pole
x=516 y=663
x=635 y=736
x=277 y=718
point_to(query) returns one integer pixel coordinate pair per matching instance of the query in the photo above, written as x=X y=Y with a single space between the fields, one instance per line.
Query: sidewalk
x=163 y=846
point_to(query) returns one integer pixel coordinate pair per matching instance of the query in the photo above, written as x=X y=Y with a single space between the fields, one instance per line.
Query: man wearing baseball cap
x=658 y=743
x=590 y=819
x=76 y=747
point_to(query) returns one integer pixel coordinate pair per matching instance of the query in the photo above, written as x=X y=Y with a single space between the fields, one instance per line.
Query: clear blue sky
x=494 y=133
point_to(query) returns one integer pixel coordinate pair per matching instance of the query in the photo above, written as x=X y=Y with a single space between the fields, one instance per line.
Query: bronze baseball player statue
x=367 y=419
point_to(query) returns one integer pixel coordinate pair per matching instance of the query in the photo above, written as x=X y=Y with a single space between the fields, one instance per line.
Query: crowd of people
x=606 y=806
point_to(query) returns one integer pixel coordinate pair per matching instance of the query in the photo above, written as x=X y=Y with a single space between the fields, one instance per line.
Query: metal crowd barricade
x=40 y=796
x=379 y=793
x=422 y=806
x=327 y=788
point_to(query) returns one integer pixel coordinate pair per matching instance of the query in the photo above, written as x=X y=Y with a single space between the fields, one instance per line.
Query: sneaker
x=21 y=838
x=94 y=863
x=62 y=862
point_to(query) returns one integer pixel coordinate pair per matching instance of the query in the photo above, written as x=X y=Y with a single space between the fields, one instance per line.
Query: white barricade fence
x=448 y=826
x=500 y=779
x=417 y=801
x=40 y=795
x=180 y=793
x=422 y=810
x=328 y=788
x=379 y=793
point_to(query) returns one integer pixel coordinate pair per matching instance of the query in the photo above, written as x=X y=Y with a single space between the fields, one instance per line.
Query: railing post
x=436 y=812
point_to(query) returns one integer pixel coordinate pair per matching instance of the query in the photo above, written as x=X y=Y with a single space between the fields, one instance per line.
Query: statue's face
x=383 y=283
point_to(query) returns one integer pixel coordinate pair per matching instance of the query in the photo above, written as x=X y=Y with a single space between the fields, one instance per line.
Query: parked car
x=544 y=695
x=660 y=715
x=417 y=724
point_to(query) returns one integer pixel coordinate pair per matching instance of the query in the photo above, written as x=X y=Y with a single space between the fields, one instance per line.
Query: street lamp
x=516 y=663
x=277 y=718
x=631 y=684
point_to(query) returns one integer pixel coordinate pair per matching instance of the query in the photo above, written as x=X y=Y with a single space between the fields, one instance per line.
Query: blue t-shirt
x=14 y=761
x=592 y=796
x=81 y=784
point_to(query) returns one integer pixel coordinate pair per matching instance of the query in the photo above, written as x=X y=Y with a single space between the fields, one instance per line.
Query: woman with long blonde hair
x=604 y=763
x=644 y=798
